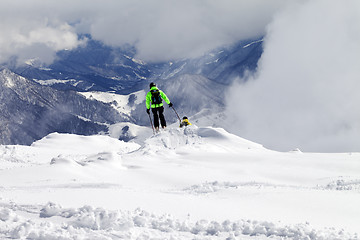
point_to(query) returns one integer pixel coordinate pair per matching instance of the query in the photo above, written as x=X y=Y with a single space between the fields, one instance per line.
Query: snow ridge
x=97 y=223
x=197 y=139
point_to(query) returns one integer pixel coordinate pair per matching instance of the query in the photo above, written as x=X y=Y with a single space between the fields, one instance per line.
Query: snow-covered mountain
x=97 y=67
x=93 y=67
x=221 y=65
x=37 y=99
x=30 y=111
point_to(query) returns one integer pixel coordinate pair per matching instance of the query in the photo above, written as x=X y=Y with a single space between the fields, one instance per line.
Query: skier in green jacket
x=154 y=101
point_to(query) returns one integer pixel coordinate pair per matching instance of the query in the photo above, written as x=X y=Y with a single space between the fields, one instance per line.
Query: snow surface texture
x=189 y=183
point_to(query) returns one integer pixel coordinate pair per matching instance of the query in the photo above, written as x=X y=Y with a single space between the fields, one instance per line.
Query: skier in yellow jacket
x=154 y=101
x=185 y=122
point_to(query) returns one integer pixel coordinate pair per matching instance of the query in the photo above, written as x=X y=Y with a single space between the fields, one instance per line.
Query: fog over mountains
x=97 y=67
x=37 y=100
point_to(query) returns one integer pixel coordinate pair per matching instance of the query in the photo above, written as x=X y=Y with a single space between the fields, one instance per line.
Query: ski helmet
x=152 y=85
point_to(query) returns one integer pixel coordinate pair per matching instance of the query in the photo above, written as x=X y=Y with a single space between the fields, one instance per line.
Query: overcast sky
x=159 y=29
x=305 y=93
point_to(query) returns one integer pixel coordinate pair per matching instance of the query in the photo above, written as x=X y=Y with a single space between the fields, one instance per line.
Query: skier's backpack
x=156 y=97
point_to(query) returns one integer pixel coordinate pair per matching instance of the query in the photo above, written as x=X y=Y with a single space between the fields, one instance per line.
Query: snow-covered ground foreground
x=192 y=183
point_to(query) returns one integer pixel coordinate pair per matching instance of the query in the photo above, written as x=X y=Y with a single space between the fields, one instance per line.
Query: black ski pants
x=159 y=113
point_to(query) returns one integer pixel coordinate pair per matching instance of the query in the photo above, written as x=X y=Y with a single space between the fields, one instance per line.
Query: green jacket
x=148 y=99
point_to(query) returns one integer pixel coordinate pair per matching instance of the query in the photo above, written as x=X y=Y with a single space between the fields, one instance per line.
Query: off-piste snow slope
x=188 y=183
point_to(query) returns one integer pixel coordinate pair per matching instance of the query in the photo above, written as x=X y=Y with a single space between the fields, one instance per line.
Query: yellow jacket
x=185 y=122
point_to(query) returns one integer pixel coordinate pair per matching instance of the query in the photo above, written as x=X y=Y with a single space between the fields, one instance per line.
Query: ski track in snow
x=229 y=188
x=212 y=187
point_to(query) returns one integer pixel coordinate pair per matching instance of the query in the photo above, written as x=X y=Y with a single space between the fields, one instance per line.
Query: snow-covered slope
x=188 y=183
x=30 y=111
x=124 y=104
x=194 y=96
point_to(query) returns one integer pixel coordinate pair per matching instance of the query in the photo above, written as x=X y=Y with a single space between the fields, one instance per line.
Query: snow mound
x=13 y=155
x=71 y=143
x=126 y=131
x=171 y=139
x=55 y=222
x=195 y=138
x=108 y=158
x=62 y=160
x=59 y=148
x=220 y=137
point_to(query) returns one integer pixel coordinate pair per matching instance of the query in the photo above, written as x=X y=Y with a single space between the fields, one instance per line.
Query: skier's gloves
x=170 y=104
x=148 y=111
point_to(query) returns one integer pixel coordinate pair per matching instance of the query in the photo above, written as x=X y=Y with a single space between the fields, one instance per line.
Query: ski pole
x=176 y=113
x=152 y=126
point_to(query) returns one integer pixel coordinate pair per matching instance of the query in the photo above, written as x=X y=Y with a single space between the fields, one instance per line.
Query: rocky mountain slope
x=29 y=111
x=97 y=67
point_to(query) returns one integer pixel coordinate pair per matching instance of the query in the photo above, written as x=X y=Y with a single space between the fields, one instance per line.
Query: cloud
x=159 y=29
x=25 y=37
x=169 y=29
x=305 y=92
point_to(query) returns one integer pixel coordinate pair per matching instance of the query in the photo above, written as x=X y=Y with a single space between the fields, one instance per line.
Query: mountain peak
x=10 y=79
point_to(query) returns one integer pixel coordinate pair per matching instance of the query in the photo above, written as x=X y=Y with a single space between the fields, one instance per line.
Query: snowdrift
x=89 y=223
x=197 y=139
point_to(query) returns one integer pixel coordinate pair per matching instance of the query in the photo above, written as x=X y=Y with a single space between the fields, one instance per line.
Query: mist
x=305 y=92
x=159 y=29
